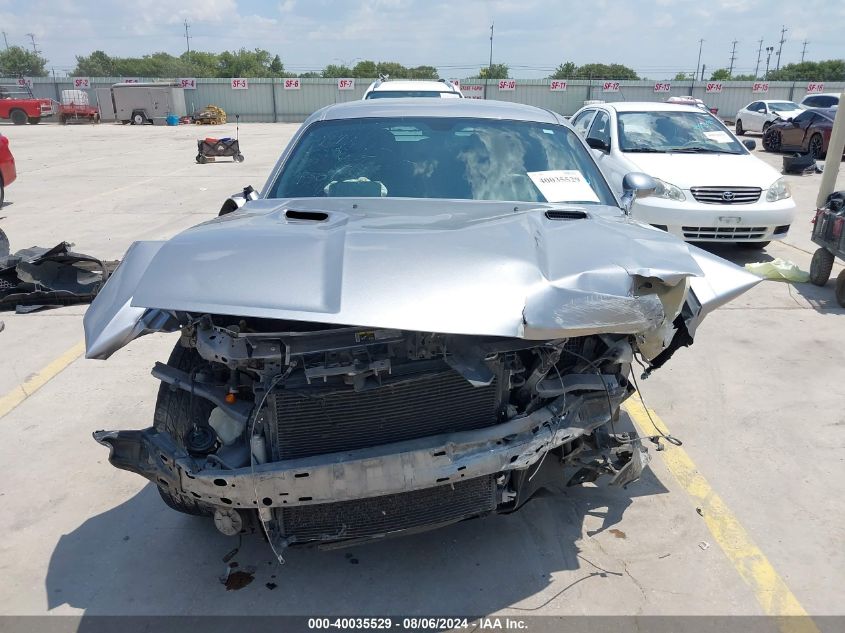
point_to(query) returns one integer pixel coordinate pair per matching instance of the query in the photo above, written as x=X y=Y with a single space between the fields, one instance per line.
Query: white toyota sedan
x=710 y=187
x=757 y=116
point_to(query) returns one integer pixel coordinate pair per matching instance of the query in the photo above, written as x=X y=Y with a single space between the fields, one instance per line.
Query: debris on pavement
x=779 y=270
x=36 y=278
x=704 y=545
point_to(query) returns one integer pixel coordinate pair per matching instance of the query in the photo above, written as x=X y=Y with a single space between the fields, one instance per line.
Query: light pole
x=769 y=51
x=697 y=65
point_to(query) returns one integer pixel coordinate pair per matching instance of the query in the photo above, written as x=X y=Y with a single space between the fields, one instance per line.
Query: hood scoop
x=306 y=216
x=566 y=214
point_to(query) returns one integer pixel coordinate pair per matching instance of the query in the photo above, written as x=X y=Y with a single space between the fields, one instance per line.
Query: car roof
x=648 y=106
x=427 y=107
x=830 y=113
x=414 y=84
x=772 y=101
x=823 y=94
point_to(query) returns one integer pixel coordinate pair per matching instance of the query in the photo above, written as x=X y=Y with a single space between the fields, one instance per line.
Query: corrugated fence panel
x=266 y=100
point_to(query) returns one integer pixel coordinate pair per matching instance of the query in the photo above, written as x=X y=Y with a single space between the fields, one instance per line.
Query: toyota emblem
x=728 y=196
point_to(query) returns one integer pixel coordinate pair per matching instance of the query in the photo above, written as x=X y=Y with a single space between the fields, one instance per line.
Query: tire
x=202 y=160
x=766 y=126
x=757 y=246
x=840 y=289
x=239 y=158
x=2 y=193
x=739 y=130
x=18 y=117
x=816 y=146
x=175 y=413
x=34 y=120
x=820 y=266
x=772 y=141
x=62 y=119
x=138 y=118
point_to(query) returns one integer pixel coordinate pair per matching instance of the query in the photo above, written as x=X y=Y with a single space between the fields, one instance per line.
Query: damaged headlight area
x=337 y=434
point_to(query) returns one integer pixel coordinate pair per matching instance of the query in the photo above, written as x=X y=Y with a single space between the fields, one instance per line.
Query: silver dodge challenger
x=430 y=311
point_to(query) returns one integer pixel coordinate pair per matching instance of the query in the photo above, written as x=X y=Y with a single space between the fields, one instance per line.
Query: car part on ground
x=36 y=278
x=352 y=367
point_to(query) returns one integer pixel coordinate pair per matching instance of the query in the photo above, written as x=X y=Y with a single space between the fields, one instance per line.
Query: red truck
x=18 y=104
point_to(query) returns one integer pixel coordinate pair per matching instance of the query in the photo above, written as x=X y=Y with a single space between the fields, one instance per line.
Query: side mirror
x=750 y=144
x=636 y=185
x=597 y=143
x=237 y=200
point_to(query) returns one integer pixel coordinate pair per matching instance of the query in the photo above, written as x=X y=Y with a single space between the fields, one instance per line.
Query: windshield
x=662 y=132
x=459 y=158
x=783 y=106
x=393 y=94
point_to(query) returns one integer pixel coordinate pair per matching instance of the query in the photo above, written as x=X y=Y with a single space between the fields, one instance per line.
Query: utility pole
x=759 y=53
x=490 y=64
x=5 y=40
x=733 y=59
x=187 y=40
x=697 y=65
x=32 y=37
x=804 y=50
x=782 y=40
x=703 y=66
x=769 y=51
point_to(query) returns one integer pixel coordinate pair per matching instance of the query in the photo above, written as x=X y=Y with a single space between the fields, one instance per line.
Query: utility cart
x=208 y=149
x=829 y=235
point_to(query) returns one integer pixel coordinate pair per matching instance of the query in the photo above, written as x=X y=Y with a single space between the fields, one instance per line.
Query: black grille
x=389 y=513
x=726 y=195
x=314 y=424
x=724 y=232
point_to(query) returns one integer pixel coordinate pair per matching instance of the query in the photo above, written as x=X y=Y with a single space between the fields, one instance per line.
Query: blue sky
x=657 y=38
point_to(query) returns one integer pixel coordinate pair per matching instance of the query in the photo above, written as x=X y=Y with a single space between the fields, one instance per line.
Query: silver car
x=429 y=312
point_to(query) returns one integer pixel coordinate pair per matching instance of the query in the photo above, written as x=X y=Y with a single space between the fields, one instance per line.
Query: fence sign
x=610 y=86
x=81 y=83
x=25 y=82
x=292 y=83
x=188 y=83
x=760 y=86
x=472 y=91
x=508 y=85
x=557 y=85
x=662 y=86
x=815 y=86
x=131 y=80
x=346 y=84
x=714 y=86
x=240 y=83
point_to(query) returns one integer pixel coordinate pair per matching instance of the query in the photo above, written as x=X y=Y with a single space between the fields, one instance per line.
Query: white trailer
x=142 y=103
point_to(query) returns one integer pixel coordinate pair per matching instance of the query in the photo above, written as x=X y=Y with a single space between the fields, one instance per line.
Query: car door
x=794 y=133
x=758 y=115
x=581 y=122
x=600 y=130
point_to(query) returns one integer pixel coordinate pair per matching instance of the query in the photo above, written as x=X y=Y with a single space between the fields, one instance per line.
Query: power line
x=733 y=59
x=780 y=48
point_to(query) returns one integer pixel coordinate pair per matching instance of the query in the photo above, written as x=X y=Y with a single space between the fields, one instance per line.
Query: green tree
x=97 y=64
x=565 y=71
x=827 y=70
x=335 y=70
x=722 y=74
x=423 y=72
x=277 y=68
x=201 y=63
x=365 y=68
x=682 y=77
x=748 y=77
x=606 y=71
x=496 y=71
x=310 y=75
x=16 y=60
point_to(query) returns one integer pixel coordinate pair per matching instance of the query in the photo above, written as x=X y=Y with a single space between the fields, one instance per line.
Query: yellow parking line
x=40 y=378
x=755 y=569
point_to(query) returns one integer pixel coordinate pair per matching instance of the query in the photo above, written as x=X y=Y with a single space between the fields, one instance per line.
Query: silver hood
x=458 y=267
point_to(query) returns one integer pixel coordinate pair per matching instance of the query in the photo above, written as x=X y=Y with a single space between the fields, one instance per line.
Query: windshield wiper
x=645 y=150
x=701 y=150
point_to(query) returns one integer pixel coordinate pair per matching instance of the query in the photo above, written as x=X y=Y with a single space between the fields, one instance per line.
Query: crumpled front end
x=352 y=369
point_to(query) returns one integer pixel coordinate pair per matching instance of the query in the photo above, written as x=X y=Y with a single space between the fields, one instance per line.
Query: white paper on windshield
x=718 y=136
x=563 y=185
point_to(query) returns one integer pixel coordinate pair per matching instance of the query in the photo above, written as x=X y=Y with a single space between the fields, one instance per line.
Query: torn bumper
x=517 y=444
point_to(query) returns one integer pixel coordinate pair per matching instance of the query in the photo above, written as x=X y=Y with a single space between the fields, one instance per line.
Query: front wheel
x=816 y=146
x=820 y=266
x=138 y=119
x=739 y=130
x=766 y=126
x=772 y=141
x=202 y=160
x=840 y=289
